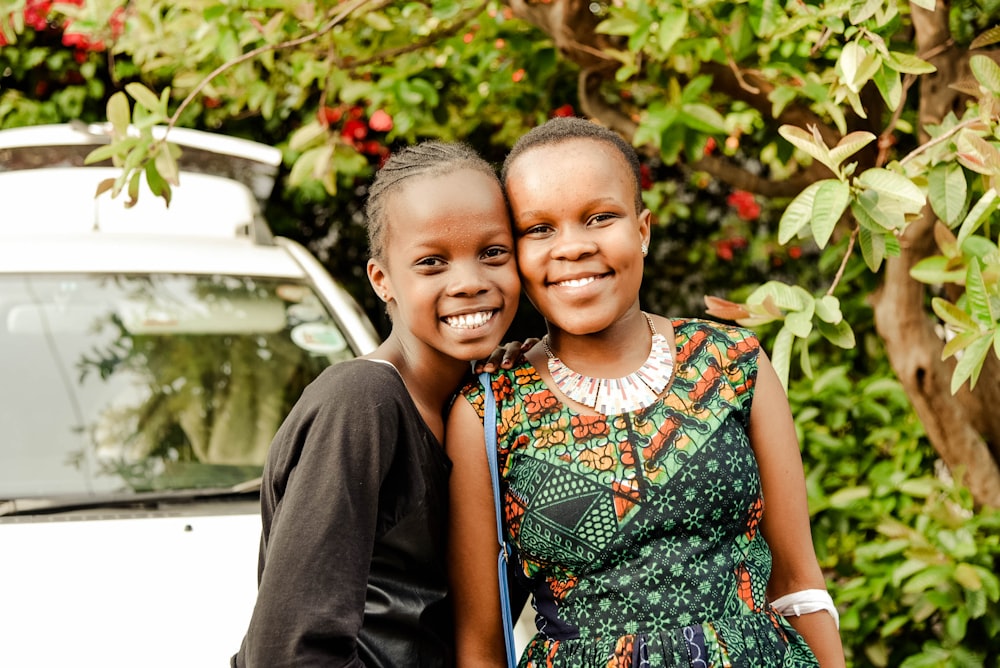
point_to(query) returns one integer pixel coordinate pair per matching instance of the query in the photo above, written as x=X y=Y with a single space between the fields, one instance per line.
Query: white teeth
x=577 y=282
x=469 y=320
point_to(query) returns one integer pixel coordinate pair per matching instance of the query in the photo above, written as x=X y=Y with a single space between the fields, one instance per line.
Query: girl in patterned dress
x=650 y=476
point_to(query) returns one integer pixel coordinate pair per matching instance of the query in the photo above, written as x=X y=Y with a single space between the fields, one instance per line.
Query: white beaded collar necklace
x=613 y=396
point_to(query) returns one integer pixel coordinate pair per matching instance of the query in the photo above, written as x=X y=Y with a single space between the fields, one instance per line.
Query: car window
x=128 y=383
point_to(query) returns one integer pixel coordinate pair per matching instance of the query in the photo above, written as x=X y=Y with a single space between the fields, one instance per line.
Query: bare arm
x=472 y=544
x=786 y=513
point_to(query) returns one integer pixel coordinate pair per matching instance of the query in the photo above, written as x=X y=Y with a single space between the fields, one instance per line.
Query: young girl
x=651 y=480
x=352 y=564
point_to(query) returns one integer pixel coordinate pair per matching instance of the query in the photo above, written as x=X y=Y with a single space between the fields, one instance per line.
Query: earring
x=645 y=250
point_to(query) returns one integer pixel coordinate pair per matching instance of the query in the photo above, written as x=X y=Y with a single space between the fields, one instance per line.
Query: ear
x=645 y=220
x=379 y=279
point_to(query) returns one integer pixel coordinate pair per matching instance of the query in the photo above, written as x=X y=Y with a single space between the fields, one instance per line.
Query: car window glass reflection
x=140 y=383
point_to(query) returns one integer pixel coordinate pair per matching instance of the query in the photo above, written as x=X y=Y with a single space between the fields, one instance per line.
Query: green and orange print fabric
x=638 y=534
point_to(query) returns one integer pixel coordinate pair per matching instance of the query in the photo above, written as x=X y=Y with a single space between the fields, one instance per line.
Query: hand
x=506 y=356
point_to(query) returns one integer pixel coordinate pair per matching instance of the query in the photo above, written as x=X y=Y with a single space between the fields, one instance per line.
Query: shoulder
x=700 y=328
x=359 y=378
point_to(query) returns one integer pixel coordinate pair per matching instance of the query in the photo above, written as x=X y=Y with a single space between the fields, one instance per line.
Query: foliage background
x=910 y=559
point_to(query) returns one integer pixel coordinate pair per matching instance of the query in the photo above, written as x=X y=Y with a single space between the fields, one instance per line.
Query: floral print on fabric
x=638 y=533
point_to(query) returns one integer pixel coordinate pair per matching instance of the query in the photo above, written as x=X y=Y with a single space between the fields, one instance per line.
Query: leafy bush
x=911 y=564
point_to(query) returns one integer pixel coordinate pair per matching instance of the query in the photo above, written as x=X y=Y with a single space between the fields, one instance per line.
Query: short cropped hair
x=429 y=158
x=565 y=128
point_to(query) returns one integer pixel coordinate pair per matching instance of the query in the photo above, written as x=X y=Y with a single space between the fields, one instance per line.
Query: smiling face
x=579 y=237
x=448 y=270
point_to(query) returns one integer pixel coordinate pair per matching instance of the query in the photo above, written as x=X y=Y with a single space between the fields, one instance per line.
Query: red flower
x=710 y=145
x=117 y=22
x=646 y=176
x=354 y=130
x=36 y=13
x=518 y=75
x=329 y=115
x=745 y=204
x=380 y=121
x=564 y=111
x=724 y=249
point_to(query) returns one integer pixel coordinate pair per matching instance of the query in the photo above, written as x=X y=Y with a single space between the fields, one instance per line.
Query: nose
x=572 y=243
x=468 y=279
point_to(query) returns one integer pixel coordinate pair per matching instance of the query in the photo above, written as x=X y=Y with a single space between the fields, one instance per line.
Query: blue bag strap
x=490 y=432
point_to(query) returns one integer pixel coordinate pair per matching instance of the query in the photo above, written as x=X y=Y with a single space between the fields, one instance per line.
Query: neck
x=610 y=353
x=430 y=377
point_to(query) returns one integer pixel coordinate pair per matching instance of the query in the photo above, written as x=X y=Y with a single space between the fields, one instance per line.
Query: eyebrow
x=589 y=204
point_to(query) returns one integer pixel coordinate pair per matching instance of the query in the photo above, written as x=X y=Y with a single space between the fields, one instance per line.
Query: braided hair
x=429 y=158
x=560 y=129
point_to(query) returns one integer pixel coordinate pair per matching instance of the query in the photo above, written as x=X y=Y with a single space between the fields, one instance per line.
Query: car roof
x=60 y=200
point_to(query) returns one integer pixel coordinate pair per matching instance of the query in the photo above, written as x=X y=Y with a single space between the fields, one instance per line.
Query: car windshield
x=119 y=383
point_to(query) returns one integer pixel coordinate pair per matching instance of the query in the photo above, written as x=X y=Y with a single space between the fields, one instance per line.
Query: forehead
x=461 y=203
x=568 y=165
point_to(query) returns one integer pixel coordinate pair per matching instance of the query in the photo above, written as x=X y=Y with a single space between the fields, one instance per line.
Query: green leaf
x=840 y=334
x=844 y=497
x=960 y=342
x=987 y=72
x=673 y=23
x=765 y=16
x=890 y=86
x=977 y=295
x=991 y=36
x=907 y=63
x=857 y=65
x=703 y=118
x=144 y=96
x=805 y=360
x=981 y=211
x=157 y=185
x=308 y=136
x=850 y=145
x=102 y=153
x=947 y=190
x=118 y=113
x=829 y=205
x=872 y=244
x=810 y=143
x=894 y=185
x=828 y=309
x=378 y=20
x=617 y=25
x=781 y=355
x=166 y=166
x=133 y=189
x=968 y=577
x=783 y=296
x=799 y=212
x=971 y=363
x=936 y=270
x=800 y=323
x=863 y=10
x=953 y=315
x=883 y=211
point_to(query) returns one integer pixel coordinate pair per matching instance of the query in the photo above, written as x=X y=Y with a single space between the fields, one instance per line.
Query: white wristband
x=806 y=601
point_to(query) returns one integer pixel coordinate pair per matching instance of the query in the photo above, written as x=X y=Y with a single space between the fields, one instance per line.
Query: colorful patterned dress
x=638 y=533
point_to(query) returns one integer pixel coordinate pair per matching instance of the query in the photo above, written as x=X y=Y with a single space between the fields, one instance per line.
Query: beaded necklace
x=613 y=396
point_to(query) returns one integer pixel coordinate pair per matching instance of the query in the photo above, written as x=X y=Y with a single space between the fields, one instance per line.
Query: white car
x=147 y=357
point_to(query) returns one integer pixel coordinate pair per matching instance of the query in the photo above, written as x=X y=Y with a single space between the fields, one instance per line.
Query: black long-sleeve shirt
x=352 y=566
